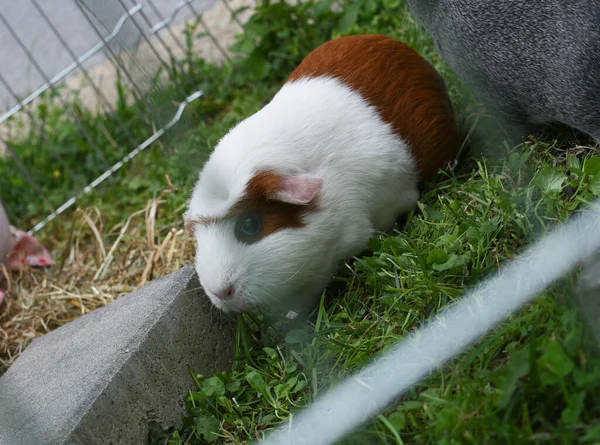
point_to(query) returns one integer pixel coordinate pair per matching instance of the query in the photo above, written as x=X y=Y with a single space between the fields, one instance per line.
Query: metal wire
x=165 y=65
x=66 y=46
x=117 y=62
x=39 y=69
x=166 y=22
x=208 y=32
x=106 y=37
x=15 y=155
x=52 y=146
x=113 y=57
x=69 y=69
x=108 y=173
x=232 y=12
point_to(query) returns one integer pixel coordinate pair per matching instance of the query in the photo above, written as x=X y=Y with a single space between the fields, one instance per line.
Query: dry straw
x=96 y=265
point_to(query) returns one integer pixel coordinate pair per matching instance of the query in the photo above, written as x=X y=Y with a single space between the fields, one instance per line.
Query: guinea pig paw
x=291 y=315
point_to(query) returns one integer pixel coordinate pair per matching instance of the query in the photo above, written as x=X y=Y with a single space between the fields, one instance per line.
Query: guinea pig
x=336 y=156
x=530 y=63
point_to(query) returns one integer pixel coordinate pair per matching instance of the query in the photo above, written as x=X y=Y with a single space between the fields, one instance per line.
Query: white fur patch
x=316 y=126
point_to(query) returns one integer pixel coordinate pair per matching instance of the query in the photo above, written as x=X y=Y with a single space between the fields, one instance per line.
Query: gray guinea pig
x=530 y=62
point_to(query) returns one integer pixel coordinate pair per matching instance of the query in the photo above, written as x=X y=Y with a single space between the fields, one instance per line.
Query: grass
x=534 y=379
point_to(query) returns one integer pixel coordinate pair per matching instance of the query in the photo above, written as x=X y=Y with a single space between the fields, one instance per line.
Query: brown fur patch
x=263 y=185
x=190 y=224
x=406 y=90
x=276 y=215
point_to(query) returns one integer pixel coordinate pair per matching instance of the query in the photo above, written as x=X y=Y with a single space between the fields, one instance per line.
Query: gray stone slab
x=102 y=378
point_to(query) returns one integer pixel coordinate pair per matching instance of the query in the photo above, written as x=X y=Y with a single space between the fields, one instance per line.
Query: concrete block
x=111 y=375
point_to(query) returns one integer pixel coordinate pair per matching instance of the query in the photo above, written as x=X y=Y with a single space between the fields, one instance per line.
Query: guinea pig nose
x=225 y=294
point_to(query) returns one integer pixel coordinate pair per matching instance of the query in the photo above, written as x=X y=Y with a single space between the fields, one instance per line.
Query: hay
x=96 y=265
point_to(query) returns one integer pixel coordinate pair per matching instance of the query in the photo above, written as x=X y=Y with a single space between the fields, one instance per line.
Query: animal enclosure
x=101 y=138
x=84 y=58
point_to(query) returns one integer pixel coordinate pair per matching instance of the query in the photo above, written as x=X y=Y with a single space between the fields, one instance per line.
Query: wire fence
x=80 y=55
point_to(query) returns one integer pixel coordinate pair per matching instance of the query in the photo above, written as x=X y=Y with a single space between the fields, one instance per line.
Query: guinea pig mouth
x=234 y=308
x=231 y=306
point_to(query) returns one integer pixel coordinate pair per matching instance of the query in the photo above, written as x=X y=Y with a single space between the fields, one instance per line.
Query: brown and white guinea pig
x=302 y=184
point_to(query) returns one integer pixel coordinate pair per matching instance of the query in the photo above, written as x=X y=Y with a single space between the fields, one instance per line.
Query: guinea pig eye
x=248 y=227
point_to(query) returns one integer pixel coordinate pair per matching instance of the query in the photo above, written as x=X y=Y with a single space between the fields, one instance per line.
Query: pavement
x=37 y=37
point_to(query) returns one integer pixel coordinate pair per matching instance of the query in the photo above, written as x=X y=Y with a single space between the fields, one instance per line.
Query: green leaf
x=213 y=386
x=410 y=405
x=432 y=396
x=374 y=244
x=297 y=336
x=175 y=439
x=595 y=185
x=257 y=65
x=255 y=29
x=591 y=166
x=448 y=418
x=593 y=435
x=517 y=367
x=245 y=47
x=429 y=212
x=208 y=427
x=556 y=360
x=437 y=256
x=516 y=160
x=323 y=6
x=272 y=353
x=398 y=420
x=572 y=412
x=291 y=382
x=138 y=183
x=281 y=390
x=268 y=418
x=300 y=386
x=490 y=226
x=233 y=386
x=257 y=382
x=472 y=233
x=349 y=17
x=397 y=243
x=573 y=164
x=371 y=7
x=586 y=380
x=549 y=179
x=453 y=261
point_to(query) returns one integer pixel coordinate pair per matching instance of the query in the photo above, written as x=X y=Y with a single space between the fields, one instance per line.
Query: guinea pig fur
x=530 y=63
x=302 y=184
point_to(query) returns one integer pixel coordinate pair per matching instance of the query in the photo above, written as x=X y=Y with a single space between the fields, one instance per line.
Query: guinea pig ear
x=300 y=189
